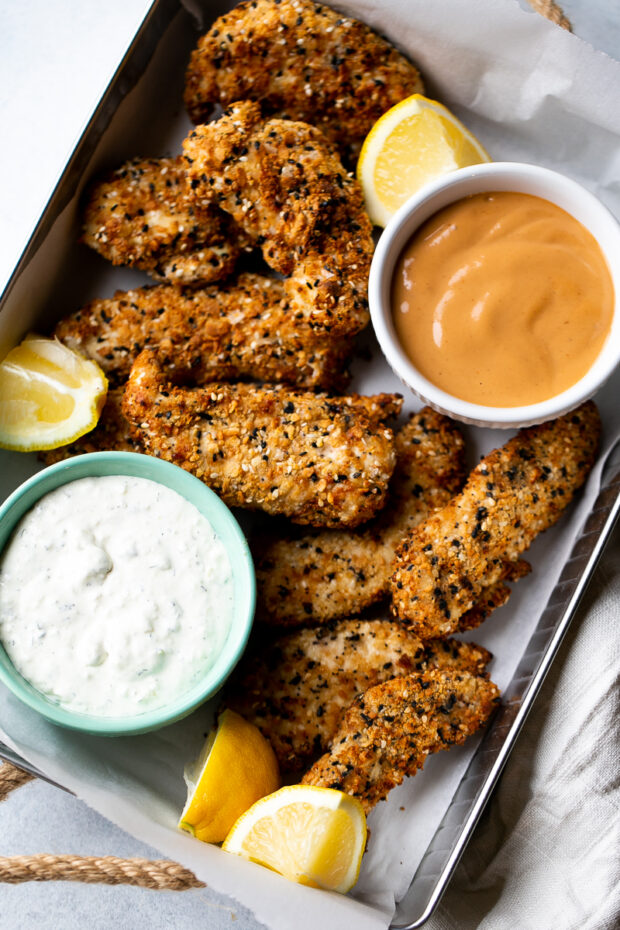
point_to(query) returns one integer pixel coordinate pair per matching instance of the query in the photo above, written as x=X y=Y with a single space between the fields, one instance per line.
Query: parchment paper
x=531 y=92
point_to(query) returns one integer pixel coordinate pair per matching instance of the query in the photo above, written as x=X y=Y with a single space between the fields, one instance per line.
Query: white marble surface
x=35 y=150
x=39 y=818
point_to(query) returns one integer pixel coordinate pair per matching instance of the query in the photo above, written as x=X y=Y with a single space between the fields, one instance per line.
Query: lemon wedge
x=49 y=395
x=412 y=143
x=311 y=835
x=236 y=767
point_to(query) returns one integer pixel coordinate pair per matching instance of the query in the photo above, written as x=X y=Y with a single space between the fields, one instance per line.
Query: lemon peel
x=49 y=395
x=412 y=143
x=236 y=767
x=310 y=835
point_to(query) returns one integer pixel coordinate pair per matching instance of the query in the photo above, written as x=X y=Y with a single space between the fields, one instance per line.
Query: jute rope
x=11 y=778
x=550 y=10
x=159 y=874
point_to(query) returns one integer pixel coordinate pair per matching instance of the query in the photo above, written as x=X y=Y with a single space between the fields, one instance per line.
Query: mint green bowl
x=131 y=464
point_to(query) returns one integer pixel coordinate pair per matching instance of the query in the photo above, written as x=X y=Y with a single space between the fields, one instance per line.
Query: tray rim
x=127 y=73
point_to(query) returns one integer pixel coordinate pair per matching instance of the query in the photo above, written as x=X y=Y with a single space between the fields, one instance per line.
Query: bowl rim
x=447 y=189
x=133 y=464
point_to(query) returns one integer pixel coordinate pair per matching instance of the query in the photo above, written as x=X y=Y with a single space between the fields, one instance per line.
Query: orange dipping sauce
x=502 y=299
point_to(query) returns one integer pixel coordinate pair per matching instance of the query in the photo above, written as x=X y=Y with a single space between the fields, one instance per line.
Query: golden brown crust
x=322 y=461
x=233 y=331
x=112 y=434
x=388 y=731
x=285 y=186
x=322 y=576
x=141 y=215
x=302 y=61
x=297 y=688
x=514 y=493
x=493 y=597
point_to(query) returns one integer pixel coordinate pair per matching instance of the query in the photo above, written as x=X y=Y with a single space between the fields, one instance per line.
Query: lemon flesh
x=236 y=767
x=413 y=143
x=49 y=395
x=310 y=835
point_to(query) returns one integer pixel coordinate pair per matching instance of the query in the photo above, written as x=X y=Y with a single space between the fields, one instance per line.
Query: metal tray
x=476 y=786
x=457 y=826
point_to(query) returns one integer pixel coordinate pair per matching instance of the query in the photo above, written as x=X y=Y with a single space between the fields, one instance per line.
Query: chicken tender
x=302 y=61
x=514 y=493
x=239 y=330
x=337 y=573
x=141 y=215
x=391 y=728
x=112 y=434
x=323 y=461
x=285 y=186
x=297 y=689
x=493 y=597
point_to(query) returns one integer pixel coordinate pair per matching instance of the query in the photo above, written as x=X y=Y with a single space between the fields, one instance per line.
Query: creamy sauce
x=502 y=299
x=116 y=596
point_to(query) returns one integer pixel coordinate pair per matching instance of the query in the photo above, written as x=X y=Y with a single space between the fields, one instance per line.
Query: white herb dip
x=116 y=596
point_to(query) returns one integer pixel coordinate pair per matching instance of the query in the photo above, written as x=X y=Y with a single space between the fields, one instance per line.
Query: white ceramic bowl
x=498 y=176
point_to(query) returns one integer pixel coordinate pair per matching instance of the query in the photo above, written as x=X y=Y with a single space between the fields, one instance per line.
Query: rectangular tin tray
x=457 y=826
x=476 y=786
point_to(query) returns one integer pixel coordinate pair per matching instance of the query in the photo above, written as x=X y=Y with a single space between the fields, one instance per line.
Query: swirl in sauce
x=502 y=299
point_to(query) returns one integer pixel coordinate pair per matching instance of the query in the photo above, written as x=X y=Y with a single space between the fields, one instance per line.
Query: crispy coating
x=242 y=329
x=337 y=573
x=514 y=493
x=493 y=597
x=112 y=434
x=323 y=461
x=285 y=186
x=302 y=61
x=389 y=730
x=279 y=179
x=297 y=688
x=141 y=215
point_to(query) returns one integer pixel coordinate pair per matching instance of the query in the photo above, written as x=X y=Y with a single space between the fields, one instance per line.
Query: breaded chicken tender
x=493 y=597
x=302 y=61
x=322 y=461
x=234 y=331
x=285 y=186
x=336 y=573
x=391 y=728
x=280 y=180
x=112 y=434
x=514 y=493
x=297 y=688
x=140 y=215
